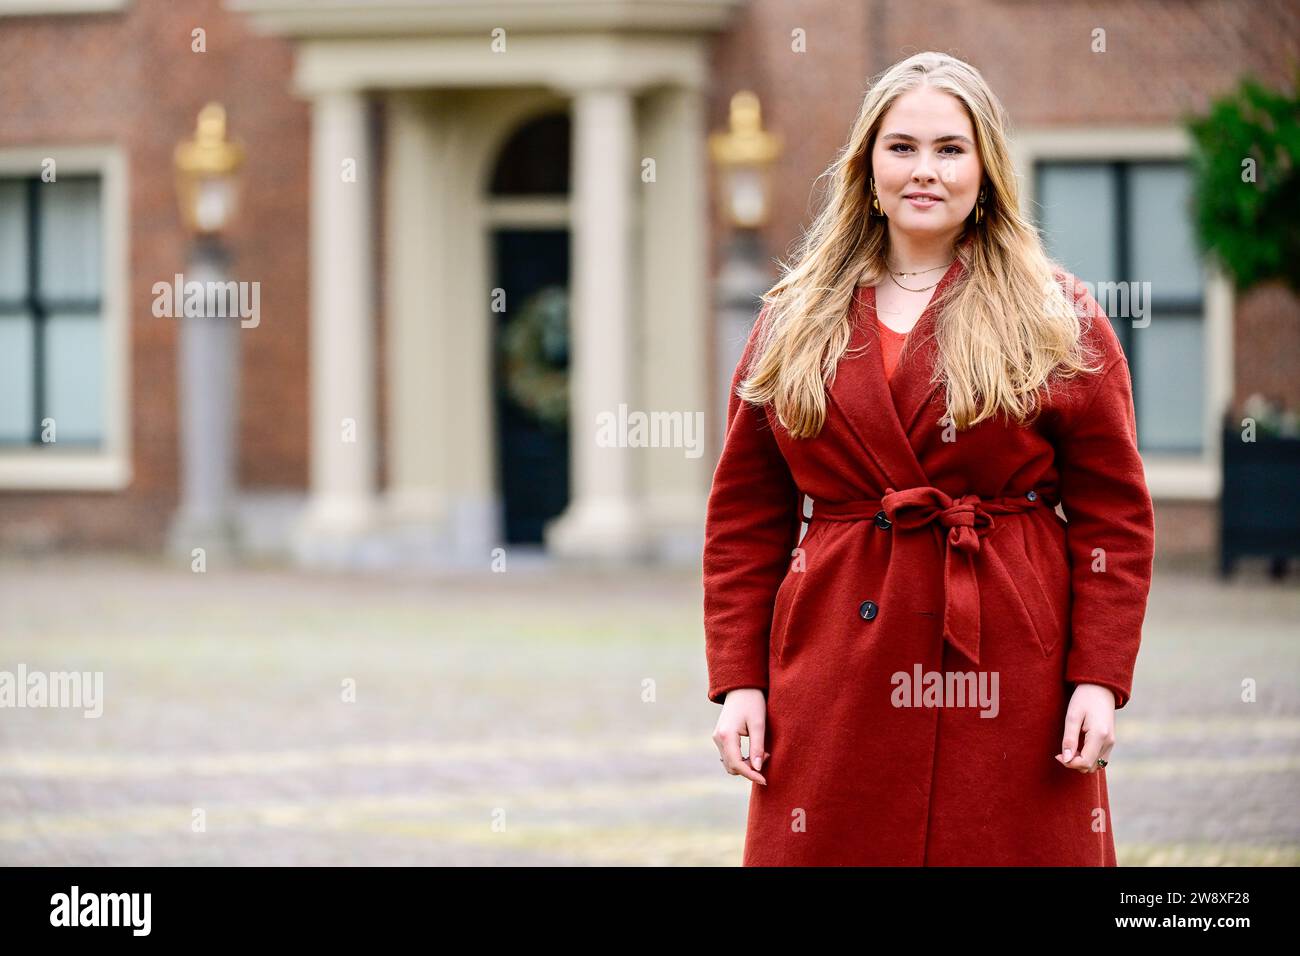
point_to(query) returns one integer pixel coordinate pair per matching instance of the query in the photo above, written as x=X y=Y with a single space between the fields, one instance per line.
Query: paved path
x=532 y=717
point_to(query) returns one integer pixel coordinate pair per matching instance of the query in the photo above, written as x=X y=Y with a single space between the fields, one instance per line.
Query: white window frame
x=109 y=467
x=1169 y=476
x=30 y=8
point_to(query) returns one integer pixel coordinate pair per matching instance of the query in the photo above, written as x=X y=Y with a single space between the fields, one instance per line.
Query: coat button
x=1032 y=496
x=883 y=522
x=868 y=610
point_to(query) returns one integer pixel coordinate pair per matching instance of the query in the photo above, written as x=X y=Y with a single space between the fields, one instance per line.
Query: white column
x=602 y=520
x=675 y=321
x=414 y=345
x=341 y=508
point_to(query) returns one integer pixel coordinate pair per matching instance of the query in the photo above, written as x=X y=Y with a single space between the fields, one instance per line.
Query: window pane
x=70 y=259
x=1170 y=383
x=13 y=239
x=16 y=378
x=1164 y=252
x=1078 y=218
x=74 y=378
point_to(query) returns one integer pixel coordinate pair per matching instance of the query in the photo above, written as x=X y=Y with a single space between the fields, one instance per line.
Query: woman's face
x=926 y=145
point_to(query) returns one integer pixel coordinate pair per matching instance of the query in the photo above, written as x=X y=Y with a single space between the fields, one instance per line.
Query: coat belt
x=967 y=519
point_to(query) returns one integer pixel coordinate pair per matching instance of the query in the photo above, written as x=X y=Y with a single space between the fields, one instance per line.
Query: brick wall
x=131 y=78
x=1162 y=59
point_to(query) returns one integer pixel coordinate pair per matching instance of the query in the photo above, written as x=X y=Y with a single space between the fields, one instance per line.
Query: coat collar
x=883 y=413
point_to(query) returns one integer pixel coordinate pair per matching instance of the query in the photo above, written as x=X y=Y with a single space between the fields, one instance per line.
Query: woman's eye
x=956 y=150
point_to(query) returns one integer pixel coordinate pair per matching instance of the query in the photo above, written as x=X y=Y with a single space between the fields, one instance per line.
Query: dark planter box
x=1260 y=506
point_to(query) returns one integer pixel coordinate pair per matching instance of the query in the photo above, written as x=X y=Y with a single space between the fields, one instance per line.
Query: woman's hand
x=744 y=714
x=1092 y=708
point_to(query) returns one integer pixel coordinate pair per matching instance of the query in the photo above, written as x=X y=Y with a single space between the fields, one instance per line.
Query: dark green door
x=531 y=378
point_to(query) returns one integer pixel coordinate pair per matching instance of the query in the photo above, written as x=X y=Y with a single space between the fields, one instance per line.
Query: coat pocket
x=781 y=614
x=787 y=594
x=1007 y=598
x=1047 y=584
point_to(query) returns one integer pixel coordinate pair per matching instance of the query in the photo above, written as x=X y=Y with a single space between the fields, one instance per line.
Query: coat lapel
x=882 y=412
x=910 y=387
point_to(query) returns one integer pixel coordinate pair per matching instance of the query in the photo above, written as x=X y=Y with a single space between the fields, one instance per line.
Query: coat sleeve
x=751 y=527
x=1110 y=533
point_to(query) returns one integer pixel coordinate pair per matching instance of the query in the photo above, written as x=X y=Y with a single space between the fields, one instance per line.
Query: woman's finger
x=1086 y=761
x=1106 y=748
x=1070 y=739
x=756 y=752
x=733 y=760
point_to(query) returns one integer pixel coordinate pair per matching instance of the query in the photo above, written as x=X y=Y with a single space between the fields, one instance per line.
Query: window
x=51 y=313
x=22 y=8
x=64 y=359
x=1129 y=222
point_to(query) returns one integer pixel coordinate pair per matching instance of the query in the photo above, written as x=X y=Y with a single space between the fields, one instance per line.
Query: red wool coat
x=928 y=555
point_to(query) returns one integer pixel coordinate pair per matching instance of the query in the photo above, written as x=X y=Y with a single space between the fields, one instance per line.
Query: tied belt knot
x=963 y=521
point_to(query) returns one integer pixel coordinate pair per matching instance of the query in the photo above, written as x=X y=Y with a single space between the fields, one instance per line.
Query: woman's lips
x=923 y=202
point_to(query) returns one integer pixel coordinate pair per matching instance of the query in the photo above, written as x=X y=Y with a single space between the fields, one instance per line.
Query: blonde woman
x=930 y=674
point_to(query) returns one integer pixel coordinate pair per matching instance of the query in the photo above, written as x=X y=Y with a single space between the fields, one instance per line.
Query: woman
x=930 y=675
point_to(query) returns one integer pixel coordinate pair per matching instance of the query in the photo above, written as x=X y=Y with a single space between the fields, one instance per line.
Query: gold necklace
x=906 y=289
x=923 y=271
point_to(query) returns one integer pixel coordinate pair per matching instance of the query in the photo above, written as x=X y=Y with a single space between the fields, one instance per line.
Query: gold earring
x=979 y=207
x=875 y=201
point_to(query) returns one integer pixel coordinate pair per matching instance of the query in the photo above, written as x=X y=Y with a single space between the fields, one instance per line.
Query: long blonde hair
x=1002 y=332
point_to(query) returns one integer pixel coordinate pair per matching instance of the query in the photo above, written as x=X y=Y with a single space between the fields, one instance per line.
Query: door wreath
x=535 y=348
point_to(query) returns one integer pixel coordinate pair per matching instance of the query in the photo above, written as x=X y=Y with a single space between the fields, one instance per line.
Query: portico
x=456 y=81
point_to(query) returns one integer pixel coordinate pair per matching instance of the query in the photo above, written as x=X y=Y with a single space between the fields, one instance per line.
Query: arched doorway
x=528 y=215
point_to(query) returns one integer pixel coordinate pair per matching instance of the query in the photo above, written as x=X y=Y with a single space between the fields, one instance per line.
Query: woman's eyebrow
x=947 y=138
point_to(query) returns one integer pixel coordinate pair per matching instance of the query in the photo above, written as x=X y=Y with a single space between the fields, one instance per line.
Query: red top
x=891 y=343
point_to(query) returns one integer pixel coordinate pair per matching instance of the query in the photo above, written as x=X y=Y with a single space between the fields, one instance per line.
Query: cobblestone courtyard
x=540 y=716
